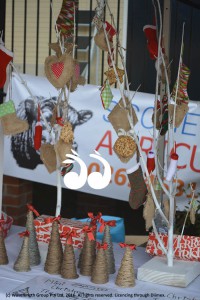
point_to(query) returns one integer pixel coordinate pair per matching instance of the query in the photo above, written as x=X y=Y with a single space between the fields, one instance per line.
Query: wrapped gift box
x=7 y=224
x=43 y=230
x=186 y=247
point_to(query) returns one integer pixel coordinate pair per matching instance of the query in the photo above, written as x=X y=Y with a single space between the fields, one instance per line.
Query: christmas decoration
x=125 y=277
x=11 y=124
x=3 y=253
x=100 y=274
x=34 y=253
x=55 y=252
x=22 y=263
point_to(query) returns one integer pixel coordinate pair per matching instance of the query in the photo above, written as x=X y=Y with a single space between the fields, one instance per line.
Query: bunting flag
x=182 y=94
x=65 y=20
x=106 y=95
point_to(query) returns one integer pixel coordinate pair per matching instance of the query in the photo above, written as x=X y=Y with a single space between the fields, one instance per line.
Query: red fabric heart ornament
x=57 y=69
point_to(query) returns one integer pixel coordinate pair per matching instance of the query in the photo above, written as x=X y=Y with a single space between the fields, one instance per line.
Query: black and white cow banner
x=92 y=130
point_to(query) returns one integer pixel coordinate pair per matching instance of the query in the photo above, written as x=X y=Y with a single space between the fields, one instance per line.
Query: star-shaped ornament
x=111 y=75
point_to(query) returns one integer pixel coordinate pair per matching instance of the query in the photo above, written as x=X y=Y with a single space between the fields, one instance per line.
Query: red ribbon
x=110 y=29
x=131 y=246
x=104 y=223
x=24 y=233
x=102 y=246
x=94 y=218
x=51 y=220
x=89 y=231
x=31 y=208
x=1 y=222
x=59 y=121
x=69 y=234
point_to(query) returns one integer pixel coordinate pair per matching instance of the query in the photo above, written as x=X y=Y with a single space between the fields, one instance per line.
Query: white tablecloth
x=10 y=279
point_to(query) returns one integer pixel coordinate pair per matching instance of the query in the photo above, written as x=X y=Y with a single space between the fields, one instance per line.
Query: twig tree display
x=169 y=112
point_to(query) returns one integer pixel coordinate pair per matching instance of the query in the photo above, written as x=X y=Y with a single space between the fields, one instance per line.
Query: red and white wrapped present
x=43 y=229
x=186 y=247
x=6 y=222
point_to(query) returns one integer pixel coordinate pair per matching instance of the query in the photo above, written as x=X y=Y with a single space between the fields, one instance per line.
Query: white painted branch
x=134 y=134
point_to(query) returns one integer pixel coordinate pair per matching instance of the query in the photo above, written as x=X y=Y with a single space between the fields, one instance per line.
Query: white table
x=10 y=279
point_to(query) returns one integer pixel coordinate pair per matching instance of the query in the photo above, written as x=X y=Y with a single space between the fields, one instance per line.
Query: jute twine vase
x=34 y=252
x=125 y=277
x=22 y=264
x=3 y=252
x=109 y=252
x=55 y=252
x=88 y=255
x=68 y=267
x=100 y=273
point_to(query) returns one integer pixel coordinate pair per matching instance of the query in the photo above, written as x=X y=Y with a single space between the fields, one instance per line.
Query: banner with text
x=92 y=130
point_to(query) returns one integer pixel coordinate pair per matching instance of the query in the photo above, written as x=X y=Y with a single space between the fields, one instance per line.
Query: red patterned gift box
x=6 y=224
x=186 y=247
x=43 y=229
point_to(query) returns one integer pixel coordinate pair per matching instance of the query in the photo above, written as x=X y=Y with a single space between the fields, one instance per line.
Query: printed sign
x=93 y=131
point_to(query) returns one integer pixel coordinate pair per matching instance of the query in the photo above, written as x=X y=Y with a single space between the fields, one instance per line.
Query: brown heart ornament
x=59 y=70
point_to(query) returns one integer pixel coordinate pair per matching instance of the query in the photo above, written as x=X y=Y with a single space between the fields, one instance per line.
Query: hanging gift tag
x=172 y=166
x=38 y=132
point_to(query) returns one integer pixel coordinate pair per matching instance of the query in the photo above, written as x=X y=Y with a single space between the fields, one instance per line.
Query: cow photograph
x=22 y=144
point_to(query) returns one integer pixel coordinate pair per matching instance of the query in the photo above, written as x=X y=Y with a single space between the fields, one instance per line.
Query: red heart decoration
x=57 y=68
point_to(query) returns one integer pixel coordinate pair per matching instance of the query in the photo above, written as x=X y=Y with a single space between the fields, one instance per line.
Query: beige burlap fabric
x=59 y=70
x=62 y=149
x=48 y=156
x=118 y=116
x=149 y=211
x=181 y=111
x=56 y=48
x=100 y=40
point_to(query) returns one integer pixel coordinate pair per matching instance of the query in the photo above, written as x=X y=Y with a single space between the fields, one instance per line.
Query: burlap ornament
x=56 y=48
x=181 y=111
x=100 y=40
x=10 y=122
x=112 y=77
x=76 y=79
x=48 y=156
x=149 y=211
x=59 y=70
x=137 y=195
x=118 y=116
x=125 y=147
x=62 y=149
x=66 y=134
